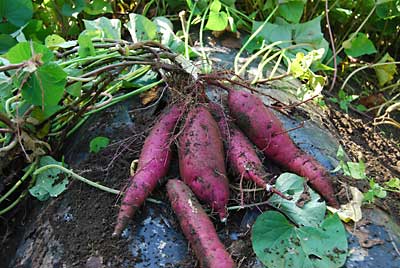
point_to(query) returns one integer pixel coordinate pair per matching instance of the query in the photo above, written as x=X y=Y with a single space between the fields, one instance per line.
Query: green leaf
x=385 y=73
x=273 y=33
x=97 y=7
x=340 y=154
x=141 y=28
x=344 y=105
x=361 y=108
x=291 y=10
x=309 y=32
x=196 y=7
x=40 y=115
x=5 y=86
x=307 y=36
x=53 y=41
x=254 y=45
x=32 y=28
x=72 y=7
x=49 y=183
x=300 y=66
x=75 y=89
x=358 y=46
x=6 y=42
x=393 y=183
x=86 y=47
x=313 y=211
x=18 y=12
x=7 y=27
x=165 y=30
x=217 y=21
x=356 y=170
x=277 y=243
x=45 y=86
x=215 y=6
x=23 y=52
x=98 y=143
x=108 y=28
x=388 y=9
x=375 y=191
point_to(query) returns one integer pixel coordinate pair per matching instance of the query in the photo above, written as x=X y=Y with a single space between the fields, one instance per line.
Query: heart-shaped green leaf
x=18 y=12
x=45 y=87
x=311 y=213
x=358 y=46
x=217 y=21
x=49 y=183
x=278 y=243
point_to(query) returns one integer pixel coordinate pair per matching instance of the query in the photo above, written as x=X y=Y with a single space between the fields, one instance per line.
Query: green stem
x=7 y=106
x=252 y=36
x=13 y=204
x=3 y=138
x=114 y=101
x=19 y=182
x=237 y=12
x=205 y=61
x=365 y=67
x=76 y=176
x=353 y=35
x=391 y=190
x=249 y=205
x=125 y=96
x=257 y=54
x=147 y=7
x=89 y=182
x=97 y=57
x=187 y=31
x=78 y=125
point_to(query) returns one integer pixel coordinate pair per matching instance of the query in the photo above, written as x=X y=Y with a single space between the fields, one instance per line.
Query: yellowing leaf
x=149 y=95
x=385 y=73
x=352 y=210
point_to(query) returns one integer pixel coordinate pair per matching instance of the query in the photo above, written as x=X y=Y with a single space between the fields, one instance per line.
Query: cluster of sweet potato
x=208 y=137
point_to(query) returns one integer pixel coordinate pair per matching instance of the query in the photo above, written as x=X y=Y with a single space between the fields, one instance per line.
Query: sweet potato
x=266 y=131
x=240 y=152
x=153 y=165
x=197 y=227
x=201 y=160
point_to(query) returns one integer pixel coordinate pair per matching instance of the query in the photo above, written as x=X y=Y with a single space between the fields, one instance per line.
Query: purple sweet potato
x=201 y=160
x=197 y=227
x=153 y=165
x=266 y=131
x=240 y=152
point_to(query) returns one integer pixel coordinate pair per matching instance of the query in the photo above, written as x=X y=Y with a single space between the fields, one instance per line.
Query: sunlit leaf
x=311 y=213
x=109 y=28
x=217 y=21
x=141 y=28
x=23 y=52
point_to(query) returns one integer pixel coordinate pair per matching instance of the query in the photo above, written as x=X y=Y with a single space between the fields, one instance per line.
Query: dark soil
x=381 y=154
x=82 y=218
